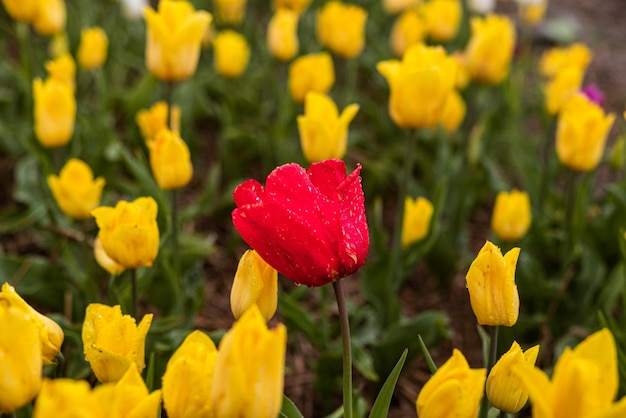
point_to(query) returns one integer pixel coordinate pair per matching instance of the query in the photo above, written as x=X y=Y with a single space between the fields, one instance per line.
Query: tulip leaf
x=289 y=409
x=429 y=360
x=381 y=405
x=364 y=363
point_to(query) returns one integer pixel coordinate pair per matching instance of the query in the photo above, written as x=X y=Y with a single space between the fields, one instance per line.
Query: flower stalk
x=491 y=360
x=344 y=324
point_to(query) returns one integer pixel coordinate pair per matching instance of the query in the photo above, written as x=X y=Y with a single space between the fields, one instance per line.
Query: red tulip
x=309 y=225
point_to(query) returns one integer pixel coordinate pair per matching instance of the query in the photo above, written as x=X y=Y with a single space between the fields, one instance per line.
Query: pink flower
x=309 y=225
x=594 y=94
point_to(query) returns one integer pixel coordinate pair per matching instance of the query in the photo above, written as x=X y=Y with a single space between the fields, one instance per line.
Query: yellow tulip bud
x=341 y=28
x=416 y=224
x=491 y=285
x=189 y=376
x=20 y=348
x=92 y=50
x=581 y=133
x=511 y=215
x=75 y=190
x=312 y=72
x=50 y=18
x=249 y=383
x=231 y=53
x=173 y=39
x=55 y=111
x=442 y=18
x=533 y=13
x=128 y=397
x=323 y=132
x=129 y=231
x=152 y=121
x=170 y=160
x=556 y=59
x=103 y=259
x=282 y=34
x=504 y=387
x=62 y=68
x=21 y=10
x=64 y=398
x=562 y=87
x=58 y=45
x=256 y=283
x=420 y=85
x=453 y=112
x=490 y=48
x=454 y=390
x=112 y=341
x=50 y=333
x=230 y=12
x=409 y=29
x=298 y=6
x=393 y=7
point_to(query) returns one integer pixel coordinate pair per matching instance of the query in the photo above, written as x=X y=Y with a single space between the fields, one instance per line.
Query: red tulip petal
x=354 y=241
x=327 y=176
x=249 y=192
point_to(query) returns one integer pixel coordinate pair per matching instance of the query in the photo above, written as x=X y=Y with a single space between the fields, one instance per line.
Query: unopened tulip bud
x=417 y=215
x=256 y=282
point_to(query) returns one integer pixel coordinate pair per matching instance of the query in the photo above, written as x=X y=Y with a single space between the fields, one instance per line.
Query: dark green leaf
x=381 y=405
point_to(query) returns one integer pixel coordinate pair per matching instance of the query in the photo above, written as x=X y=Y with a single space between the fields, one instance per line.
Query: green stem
x=174 y=223
x=351 y=79
x=344 y=324
x=493 y=352
x=60 y=364
x=24 y=40
x=133 y=284
x=169 y=93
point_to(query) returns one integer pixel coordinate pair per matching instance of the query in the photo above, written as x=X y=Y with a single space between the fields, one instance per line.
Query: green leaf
x=289 y=409
x=298 y=318
x=429 y=360
x=381 y=405
x=364 y=363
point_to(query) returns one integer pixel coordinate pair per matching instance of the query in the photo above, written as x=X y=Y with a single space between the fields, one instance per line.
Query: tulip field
x=312 y=208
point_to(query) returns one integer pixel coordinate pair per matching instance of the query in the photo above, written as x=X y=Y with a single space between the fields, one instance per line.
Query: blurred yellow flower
x=20 y=348
x=58 y=45
x=312 y=72
x=416 y=224
x=256 y=282
x=129 y=231
x=282 y=34
x=442 y=18
x=55 y=111
x=152 y=121
x=393 y=7
x=231 y=53
x=170 y=160
x=584 y=382
x=65 y=398
x=491 y=285
x=50 y=17
x=511 y=215
x=323 y=131
x=22 y=10
x=561 y=87
x=341 y=28
x=298 y=6
x=420 y=85
x=504 y=387
x=103 y=259
x=62 y=68
x=173 y=39
x=75 y=190
x=92 y=50
x=408 y=29
x=581 y=133
x=556 y=59
x=453 y=112
x=249 y=382
x=490 y=48
x=462 y=73
x=230 y=12
x=454 y=390
x=533 y=13
x=112 y=342
x=189 y=376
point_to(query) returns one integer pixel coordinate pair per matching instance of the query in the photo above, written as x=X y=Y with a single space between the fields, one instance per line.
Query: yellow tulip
x=112 y=341
x=491 y=285
x=298 y=6
x=92 y=50
x=556 y=59
x=341 y=28
x=453 y=112
x=58 y=45
x=21 y=10
x=420 y=85
x=173 y=39
x=75 y=190
x=454 y=390
x=584 y=382
x=230 y=12
x=50 y=333
x=312 y=72
x=55 y=111
x=170 y=160
x=408 y=29
x=62 y=68
x=442 y=18
x=416 y=224
x=562 y=87
x=511 y=215
x=50 y=17
x=231 y=53
x=490 y=48
x=152 y=121
x=504 y=387
x=323 y=132
x=188 y=378
x=249 y=382
x=20 y=355
x=127 y=398
x=129 y=232
x=393 y=7
x=462 y=73
x=533 y=13
x=66 y=398
x=255 y=283
x=581 y=133
x=282 y=34
x=103 y=259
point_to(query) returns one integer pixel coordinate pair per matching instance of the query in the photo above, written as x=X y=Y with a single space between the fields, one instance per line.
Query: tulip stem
x=493 y=352
x=344 y=324
x=175 y=223
x=133 y=286
x=169 y=93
